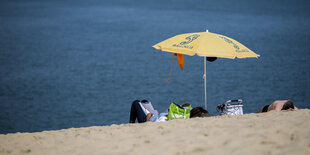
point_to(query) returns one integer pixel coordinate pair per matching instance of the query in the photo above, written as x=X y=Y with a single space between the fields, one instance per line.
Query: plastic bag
x=176 y=111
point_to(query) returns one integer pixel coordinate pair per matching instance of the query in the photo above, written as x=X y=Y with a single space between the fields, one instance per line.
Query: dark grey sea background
x=78 y=63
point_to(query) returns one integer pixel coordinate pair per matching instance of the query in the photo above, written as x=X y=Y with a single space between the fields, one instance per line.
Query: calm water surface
x=81 y=63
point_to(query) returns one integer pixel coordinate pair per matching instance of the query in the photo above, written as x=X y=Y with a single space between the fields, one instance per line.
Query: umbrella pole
x=205 y=77
x=205 y=80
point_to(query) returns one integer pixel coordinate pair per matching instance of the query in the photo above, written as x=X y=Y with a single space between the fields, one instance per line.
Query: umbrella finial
x=207 y=30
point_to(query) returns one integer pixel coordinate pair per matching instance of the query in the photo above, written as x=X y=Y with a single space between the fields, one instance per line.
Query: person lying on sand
x=199 y=112
x=142 y=111
x=279 y=105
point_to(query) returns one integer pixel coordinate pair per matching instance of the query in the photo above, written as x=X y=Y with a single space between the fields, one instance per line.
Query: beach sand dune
x=268 y=133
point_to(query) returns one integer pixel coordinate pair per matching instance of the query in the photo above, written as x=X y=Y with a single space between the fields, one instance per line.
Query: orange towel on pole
x=181 y=62
x=180 y=58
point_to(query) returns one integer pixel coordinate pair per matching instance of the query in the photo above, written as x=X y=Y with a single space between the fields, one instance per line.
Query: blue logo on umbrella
x=235 y=45
x=189 y=39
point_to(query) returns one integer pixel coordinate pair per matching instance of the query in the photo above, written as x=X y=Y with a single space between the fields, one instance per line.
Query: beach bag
x=176 y=111
x=230 y=107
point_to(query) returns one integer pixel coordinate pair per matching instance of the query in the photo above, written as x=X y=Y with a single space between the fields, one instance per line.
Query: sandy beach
x=269 y=133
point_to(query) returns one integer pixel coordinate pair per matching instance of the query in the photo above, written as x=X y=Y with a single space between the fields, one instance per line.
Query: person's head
x=199 y=112
x=186 y=105
x=144 y=101
x=288 y=105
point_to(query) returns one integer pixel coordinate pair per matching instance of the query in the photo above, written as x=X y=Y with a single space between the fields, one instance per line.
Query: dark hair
x=265 y=108
x=199 y=112
x=185 y=105
x=288 y=104
x=144 y=101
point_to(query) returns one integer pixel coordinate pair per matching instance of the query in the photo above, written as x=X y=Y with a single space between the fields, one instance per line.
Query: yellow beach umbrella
x=205 y=44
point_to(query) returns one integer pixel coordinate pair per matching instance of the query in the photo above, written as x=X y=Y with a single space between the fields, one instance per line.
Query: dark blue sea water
x=81 y=63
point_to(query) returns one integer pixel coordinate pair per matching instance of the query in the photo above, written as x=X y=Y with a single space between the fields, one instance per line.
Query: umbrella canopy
x=205 y=44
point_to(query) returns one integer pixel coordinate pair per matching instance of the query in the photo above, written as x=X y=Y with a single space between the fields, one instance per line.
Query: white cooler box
x=230 y=107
